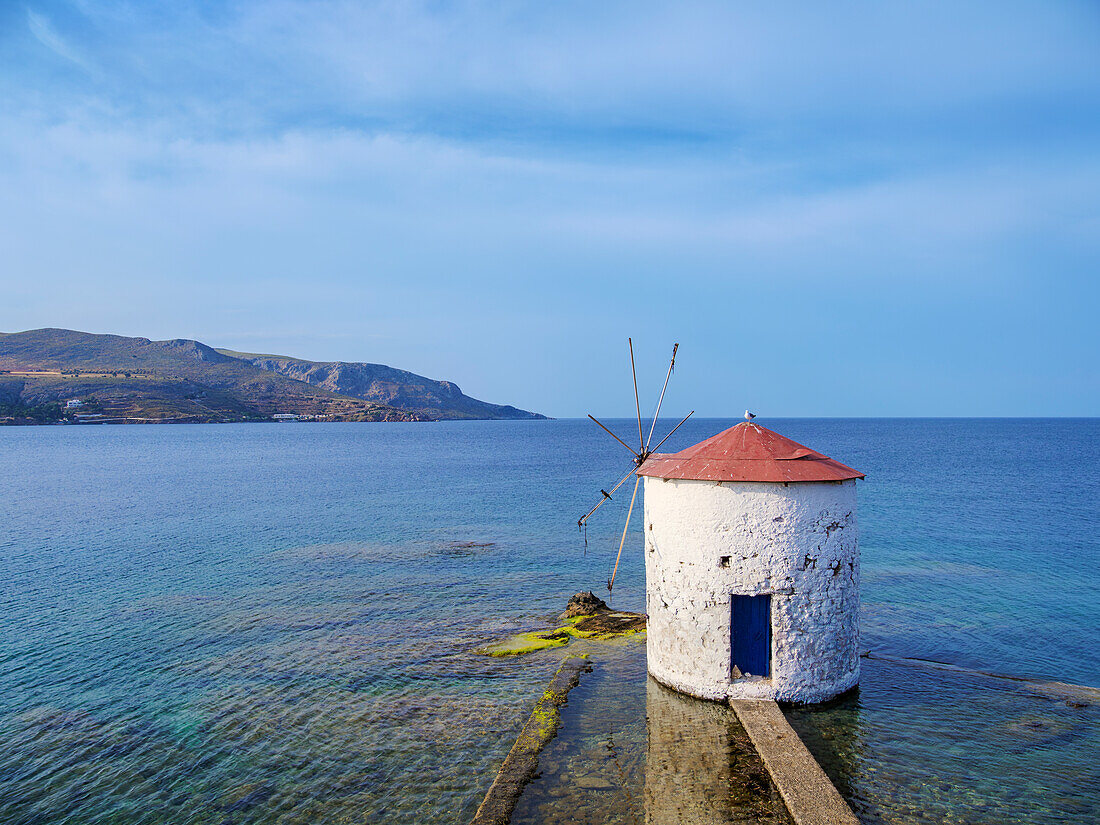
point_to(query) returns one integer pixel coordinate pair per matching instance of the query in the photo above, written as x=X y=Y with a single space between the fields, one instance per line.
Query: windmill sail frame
x=640 y=456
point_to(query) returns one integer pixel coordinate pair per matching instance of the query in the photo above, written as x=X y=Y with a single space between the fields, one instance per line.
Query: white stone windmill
x=752 y=566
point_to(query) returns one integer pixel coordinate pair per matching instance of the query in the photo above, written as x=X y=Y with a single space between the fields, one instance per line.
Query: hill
x=384 y=385
x=117 y=378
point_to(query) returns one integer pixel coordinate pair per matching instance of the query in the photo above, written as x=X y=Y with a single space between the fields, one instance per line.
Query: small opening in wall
x=724 y=561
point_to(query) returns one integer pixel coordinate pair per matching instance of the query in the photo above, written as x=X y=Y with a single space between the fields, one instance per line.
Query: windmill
x=640 y=455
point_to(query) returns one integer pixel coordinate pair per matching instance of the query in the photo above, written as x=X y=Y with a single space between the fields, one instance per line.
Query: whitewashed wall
x=798 y=543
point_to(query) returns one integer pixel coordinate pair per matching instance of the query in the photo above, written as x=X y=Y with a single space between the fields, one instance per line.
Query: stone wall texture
x=707 y=540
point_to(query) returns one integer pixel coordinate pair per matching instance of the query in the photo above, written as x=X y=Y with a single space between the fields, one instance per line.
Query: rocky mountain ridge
x=385 y=385
x=119 y=378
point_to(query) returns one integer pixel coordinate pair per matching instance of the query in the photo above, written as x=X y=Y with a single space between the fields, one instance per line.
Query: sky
x=842 y=209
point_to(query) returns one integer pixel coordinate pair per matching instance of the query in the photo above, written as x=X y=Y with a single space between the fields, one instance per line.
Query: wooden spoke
x=626 y=527
x=637 y=404
x=614 y=436
x=661 y=400
x=674 y=429
x=607 y=496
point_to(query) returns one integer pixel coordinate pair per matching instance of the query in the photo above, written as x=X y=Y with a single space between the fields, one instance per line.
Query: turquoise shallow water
x=276 y=623
x=915 y=744
x=630 y=751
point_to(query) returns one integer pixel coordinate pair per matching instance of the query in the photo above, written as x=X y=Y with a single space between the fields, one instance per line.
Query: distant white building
x=752 y=569
x=285 y=417
x=73 y=404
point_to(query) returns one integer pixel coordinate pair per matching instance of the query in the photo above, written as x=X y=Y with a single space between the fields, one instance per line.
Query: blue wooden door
x=750 y=634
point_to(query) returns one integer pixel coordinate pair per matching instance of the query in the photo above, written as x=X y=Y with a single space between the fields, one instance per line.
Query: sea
x=280 y=623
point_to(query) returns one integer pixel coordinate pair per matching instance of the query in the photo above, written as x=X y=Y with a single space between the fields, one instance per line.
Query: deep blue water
x=253 y=623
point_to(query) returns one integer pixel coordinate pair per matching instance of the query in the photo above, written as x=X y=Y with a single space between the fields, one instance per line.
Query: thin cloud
x=456 y=187
x=45 y=34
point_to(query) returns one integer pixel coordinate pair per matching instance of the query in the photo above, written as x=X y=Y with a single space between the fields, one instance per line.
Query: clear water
x=915 y=744
x=918 y=744
x=631 y=751
x=268 y=624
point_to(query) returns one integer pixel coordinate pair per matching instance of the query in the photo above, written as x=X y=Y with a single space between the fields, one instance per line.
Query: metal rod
x=581 y=521
x=674 y=429
x=637 y=404
x=662 y=398
x=603 y=500
x=614 y=436
x=611 y=584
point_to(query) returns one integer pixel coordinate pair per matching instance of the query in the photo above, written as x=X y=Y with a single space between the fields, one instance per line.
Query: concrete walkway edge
x=810 y=797
x=523 y=759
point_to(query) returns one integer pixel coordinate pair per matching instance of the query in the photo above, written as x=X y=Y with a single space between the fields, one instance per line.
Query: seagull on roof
x=749 y=416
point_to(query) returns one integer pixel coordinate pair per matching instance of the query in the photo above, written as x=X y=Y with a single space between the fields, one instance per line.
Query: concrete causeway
x=810 y=797
x=523 y=759
x=808 y=794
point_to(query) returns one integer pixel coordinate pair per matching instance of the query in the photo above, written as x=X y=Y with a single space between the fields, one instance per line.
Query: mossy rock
x=526 y=643
x=584 y=604
x=598 y=626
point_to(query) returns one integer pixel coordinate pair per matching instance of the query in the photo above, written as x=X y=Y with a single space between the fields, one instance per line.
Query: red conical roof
x=747 y=452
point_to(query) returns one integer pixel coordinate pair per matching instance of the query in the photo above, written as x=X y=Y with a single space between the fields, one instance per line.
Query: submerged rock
x=603 y=625
x=245 y=796
x=523 y=643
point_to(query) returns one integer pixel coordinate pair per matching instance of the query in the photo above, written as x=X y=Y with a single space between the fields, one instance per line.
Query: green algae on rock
x=598 y=626
x=526 y=643
x=522 y=761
